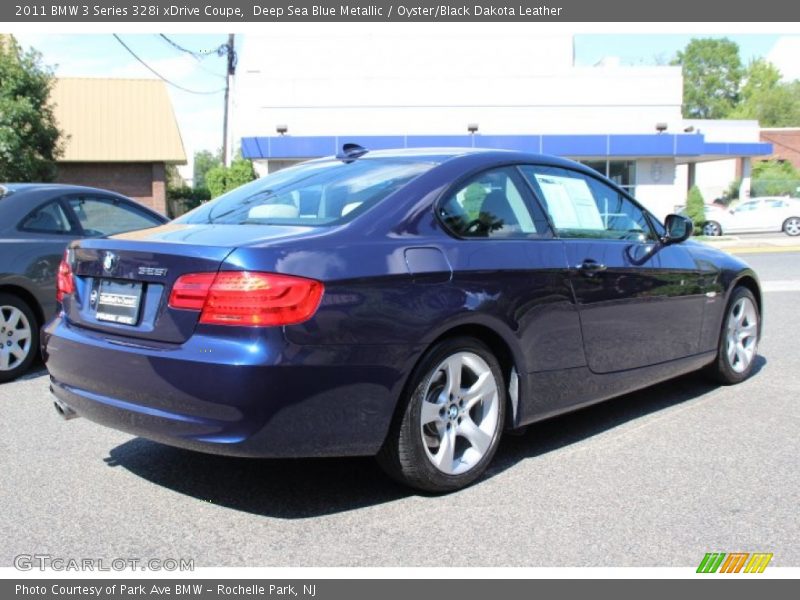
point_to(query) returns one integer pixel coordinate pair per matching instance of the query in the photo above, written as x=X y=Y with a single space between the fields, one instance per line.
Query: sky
x=652 y=49
x=200 y=114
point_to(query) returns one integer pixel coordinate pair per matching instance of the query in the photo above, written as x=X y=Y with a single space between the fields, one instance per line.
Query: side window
x=748 y=206
x=107 y=216
x=584 y=207
x=48 y=218
x=490 y=205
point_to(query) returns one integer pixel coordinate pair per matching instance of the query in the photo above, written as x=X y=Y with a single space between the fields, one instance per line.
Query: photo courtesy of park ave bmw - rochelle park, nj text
x=312 y=295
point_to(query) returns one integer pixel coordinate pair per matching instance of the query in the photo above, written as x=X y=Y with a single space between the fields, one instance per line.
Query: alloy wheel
x=15 y=337
x=792 y=226
x=460 y=410
x=742 y=334
x=711 y=229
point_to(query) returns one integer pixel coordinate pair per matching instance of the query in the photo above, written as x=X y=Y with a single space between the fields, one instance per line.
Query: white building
x=303 y=92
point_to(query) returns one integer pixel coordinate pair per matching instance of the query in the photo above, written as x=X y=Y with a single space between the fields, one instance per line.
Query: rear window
x=316 y=193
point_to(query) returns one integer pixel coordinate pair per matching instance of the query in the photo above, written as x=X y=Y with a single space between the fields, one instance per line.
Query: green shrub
x=695 y=208
x=224 y=179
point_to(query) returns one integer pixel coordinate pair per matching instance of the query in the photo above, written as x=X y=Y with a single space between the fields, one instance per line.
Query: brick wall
x=785 y=144
x=143 y=182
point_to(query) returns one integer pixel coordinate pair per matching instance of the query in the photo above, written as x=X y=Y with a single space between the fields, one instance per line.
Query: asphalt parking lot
x=656 y=478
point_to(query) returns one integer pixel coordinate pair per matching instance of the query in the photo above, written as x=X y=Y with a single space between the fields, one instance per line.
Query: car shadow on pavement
x=36 y=371
x=303 y=488
x=279 y=488
x=553 y=434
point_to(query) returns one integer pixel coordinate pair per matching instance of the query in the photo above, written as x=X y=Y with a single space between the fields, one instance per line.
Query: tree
x=204 y=161
x=29 y=137
x=173 y=177
x=774 y=178
x=712 y=73
x=695 y=208
x=223 y=179
x=732 y=193
x=764 y=98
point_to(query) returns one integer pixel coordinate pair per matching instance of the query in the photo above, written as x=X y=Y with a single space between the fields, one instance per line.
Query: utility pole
x=231 y=71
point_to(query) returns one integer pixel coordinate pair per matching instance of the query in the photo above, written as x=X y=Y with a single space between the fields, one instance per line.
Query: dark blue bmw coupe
x=411 y=305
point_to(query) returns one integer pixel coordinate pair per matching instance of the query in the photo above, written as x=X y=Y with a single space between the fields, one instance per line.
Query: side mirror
x=679 y=229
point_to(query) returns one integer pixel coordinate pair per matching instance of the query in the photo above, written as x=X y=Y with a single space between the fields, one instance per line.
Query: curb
x=740 y=246
x=756 y=249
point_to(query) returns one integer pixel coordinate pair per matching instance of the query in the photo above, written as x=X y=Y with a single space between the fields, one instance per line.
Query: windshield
x=315 y=193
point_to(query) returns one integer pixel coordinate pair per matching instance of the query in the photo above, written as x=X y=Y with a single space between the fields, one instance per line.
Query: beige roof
x=117 y=120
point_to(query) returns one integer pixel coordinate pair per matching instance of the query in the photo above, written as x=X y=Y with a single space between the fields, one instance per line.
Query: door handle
x=590 y=267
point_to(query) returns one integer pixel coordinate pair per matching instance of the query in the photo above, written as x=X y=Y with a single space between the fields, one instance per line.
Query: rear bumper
x=251 y=394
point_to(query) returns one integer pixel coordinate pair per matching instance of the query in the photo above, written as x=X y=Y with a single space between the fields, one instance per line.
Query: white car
x=770 y=213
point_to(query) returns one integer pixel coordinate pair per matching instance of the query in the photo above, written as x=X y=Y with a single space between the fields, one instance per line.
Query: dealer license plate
x=118 y=301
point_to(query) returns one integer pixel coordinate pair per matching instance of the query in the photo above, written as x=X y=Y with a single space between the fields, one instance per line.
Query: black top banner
x=243 y=11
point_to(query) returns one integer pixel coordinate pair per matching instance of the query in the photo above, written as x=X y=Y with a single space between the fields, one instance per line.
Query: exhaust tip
x=64 y=411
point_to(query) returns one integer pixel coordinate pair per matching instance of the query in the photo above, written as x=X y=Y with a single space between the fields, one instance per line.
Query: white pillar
x=744 y=188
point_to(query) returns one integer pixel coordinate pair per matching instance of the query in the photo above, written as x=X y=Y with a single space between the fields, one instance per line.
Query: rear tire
x=791 y=226
x=451 y=418
x=712 y=229
x=738 y=340
x=19 y=337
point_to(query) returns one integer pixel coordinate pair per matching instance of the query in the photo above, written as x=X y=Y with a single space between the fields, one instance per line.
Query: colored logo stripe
x=711 y=562
x=734 y=562
x=758 y=563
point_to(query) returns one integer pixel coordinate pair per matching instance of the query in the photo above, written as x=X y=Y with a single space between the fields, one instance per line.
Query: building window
x=621 y=172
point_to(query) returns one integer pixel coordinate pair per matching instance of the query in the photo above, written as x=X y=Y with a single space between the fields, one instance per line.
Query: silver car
x=770 y=213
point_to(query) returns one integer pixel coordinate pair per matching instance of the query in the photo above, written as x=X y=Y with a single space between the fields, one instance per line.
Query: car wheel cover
x=711 y=229
x=792 y=226
x=15 y=337
x=460 y=409
x=742 y=335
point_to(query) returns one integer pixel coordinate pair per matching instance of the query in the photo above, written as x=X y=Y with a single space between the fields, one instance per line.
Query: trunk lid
x=123 y=283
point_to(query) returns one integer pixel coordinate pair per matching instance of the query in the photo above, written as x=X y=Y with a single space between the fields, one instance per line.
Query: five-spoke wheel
x=459 y=415
x=712 y=229
x=791 y=226
x=452 y=419
x=19 y=337
x=738 y=343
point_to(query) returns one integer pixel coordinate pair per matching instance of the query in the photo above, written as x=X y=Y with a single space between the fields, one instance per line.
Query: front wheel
x=791 y=226
x=450 y=426
x=738 y=341
x=712 y=229
x=19 y=337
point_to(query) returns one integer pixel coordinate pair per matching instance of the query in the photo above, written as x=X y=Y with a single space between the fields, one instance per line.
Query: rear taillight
x=247 y=298
x=190 y=291
x=65 y=284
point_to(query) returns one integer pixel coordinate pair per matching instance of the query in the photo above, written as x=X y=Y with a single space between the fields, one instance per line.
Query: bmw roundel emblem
x=110 y=261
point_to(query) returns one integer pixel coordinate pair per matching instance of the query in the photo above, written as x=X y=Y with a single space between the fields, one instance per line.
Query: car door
x=748 y=216
x=640 y=303
x=100 y=215
x=507 y=262
x=779 y=209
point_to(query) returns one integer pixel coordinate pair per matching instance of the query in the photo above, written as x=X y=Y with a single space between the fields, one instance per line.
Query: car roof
x=6 y=189
x=16 y=198
x=440 y=155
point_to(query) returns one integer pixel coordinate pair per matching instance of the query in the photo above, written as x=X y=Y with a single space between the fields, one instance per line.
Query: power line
x=161 y=77
x=197 y=54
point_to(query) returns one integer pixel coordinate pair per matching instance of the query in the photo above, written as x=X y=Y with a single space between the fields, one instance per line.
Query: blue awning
x=679 y=146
